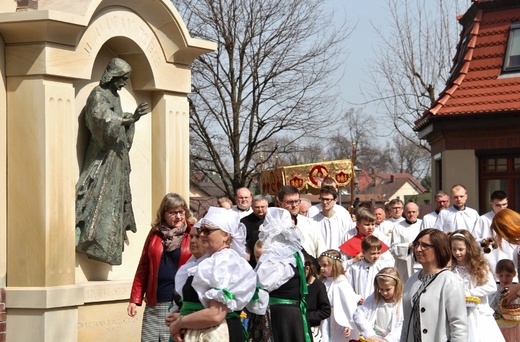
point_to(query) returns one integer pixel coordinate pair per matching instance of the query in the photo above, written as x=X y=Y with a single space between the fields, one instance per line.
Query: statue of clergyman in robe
x=103 y=199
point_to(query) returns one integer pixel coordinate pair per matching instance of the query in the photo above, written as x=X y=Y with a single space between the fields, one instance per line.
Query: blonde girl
x=380 y=318
x=471 y=266
x=339 y=326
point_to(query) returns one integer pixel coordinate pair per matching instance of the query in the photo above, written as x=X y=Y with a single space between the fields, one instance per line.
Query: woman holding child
x=218 y=288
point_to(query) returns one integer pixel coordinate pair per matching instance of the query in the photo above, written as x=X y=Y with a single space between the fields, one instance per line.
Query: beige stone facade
x=52 y=53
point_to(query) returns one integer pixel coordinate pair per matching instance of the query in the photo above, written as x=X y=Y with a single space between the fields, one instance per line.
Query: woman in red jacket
x=165 y=250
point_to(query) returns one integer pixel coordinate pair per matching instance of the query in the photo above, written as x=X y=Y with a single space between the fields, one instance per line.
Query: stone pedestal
x=54 y=55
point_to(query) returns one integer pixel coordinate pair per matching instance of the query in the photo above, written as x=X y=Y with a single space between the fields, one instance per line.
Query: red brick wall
x=3 y=316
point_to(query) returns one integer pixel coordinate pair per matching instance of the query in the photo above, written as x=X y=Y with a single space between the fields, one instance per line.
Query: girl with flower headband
x=343 y=300
x=479 y=283
x=380 y=318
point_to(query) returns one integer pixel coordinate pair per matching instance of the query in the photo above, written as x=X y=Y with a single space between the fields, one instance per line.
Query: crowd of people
x=286 y=270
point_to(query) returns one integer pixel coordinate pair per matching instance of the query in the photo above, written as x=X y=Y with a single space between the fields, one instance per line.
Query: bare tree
x=269 y=78
x=405 y=156
x=413 y=62
x=359 y=128
x=306 y=152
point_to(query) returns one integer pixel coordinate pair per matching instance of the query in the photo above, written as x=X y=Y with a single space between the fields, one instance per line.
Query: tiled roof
x=385 y=185
x=475 y=86
x=402 y=178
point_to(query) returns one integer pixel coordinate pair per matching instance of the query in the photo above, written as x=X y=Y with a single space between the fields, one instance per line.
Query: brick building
x=473 y=125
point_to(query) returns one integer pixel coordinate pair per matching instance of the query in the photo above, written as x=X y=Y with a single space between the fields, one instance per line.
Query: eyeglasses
x=326 y=200
x=206 y=231
x=295 y=202
x=423 y=245
x=175 y=213
x=397 y=208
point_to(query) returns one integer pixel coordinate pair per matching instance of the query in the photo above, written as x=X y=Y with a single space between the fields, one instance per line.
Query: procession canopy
x=307 y=177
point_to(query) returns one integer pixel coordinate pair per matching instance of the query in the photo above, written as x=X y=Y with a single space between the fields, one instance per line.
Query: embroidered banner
x=306 y=176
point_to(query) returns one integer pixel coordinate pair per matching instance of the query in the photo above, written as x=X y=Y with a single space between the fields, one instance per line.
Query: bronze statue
x=103 y=199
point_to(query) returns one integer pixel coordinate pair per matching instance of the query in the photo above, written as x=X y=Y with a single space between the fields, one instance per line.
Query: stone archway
x=53 y=58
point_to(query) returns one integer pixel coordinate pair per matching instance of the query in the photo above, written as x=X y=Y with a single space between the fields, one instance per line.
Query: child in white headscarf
x=279 y=313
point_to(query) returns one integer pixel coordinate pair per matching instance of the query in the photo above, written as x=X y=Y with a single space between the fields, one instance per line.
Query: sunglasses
x=206 y=231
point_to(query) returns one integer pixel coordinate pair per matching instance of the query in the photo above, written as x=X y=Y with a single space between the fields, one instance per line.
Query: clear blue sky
x=361 y=43
x=364 y=42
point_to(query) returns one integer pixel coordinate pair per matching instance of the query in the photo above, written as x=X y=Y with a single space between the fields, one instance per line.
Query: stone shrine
x=52 y=54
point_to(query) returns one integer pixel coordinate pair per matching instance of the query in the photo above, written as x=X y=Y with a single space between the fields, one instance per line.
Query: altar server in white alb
x=403 y=235
x=333 y=227
x=458 y=216
x=385 y=231
x=441 y=201
x=351 y=250
x=339 y=209
x=361 y=275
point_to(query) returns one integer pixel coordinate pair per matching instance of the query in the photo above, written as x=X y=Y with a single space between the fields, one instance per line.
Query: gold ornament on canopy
x=307 y=176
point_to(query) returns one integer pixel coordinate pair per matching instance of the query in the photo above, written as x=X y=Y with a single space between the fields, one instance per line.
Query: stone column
x=170 y=146
x=41 y=180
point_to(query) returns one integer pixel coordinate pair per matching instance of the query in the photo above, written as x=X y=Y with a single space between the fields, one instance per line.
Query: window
x=512 y=58
x=495 y=164
x=461 y=53
x=516 y=164
x=499 y=173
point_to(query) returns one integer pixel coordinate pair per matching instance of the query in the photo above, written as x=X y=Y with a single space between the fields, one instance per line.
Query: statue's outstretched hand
x=129 y=118
x=141 y=110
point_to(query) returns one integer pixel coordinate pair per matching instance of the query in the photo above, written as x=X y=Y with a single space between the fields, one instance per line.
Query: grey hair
x=303 y=199
x=441 y=193
x=258 y=198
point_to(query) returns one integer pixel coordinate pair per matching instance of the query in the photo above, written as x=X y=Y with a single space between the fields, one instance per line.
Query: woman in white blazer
x=434 y=303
